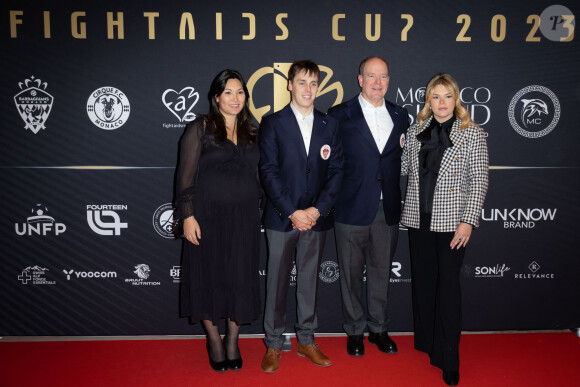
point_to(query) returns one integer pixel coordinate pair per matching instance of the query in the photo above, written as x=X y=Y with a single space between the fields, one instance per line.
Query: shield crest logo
x=33 y=104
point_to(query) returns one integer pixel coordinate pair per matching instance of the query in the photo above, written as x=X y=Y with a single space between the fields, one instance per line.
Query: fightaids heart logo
x=181 y=104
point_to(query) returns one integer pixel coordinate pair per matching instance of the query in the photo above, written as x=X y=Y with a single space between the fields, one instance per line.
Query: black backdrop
x=135 y=70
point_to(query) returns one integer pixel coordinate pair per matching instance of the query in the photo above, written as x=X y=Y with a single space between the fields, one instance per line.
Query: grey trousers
x=374 y=246
x=282 y=246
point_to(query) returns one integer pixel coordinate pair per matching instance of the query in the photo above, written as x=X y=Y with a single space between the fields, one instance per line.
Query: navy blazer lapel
x=394 y=136
x=356 y=115
x=317 y=125
x=292 y=129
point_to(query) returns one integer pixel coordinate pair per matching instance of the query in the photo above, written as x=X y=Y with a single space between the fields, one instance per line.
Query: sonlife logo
x=104 y=219
x=279 y=73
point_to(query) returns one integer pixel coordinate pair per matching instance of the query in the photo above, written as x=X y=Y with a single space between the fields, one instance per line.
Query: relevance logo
x=108 y=108
x=33 y=104
x=163 y=220
x=518 y=217
x=34 y=275
x=534 y=111
x=39 y=223
x=475 y=100
x=96 y=213
x=534 y=272
x=279 y=72
x=143 y=272
x=328 y=271
x=181 y=103
x=557 y=23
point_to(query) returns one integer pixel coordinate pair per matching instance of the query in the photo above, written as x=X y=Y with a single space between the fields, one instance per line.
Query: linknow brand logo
x=33 y=104
x=108 y=108
x=96 y=213
x=39 y=223
x=34 y=275
x=518 y=217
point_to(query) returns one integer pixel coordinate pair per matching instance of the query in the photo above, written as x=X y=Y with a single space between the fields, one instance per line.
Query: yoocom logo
x=279 y=73
x=108 y=108
x=534 y=111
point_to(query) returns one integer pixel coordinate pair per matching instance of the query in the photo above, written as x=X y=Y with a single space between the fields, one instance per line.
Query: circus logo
x=108 y=108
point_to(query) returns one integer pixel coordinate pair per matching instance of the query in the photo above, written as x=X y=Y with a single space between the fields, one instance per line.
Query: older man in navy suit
x=368 y=208
x=301 y=172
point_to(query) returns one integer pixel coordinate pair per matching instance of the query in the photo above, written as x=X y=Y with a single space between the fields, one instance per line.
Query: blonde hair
x=450 y=84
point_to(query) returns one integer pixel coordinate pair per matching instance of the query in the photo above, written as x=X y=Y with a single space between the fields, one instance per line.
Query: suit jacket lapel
x=292 y=129
x=456 y=136
x=393 y=137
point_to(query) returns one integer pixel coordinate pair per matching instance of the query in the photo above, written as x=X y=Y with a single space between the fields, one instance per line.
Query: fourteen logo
x=33 y=104
x=108 y=108
x=534 y=111
x=96 y=213
x=39 y=223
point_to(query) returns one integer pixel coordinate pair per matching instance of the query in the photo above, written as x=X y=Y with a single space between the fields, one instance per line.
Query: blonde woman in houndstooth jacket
x=446 y=160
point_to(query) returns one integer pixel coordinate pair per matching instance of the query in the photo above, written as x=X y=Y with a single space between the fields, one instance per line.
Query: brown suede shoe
x=271 y=360
x=313 y=353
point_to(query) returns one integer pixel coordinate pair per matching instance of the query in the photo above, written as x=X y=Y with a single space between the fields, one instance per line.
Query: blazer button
x=307 y=171
x=450 y=189
x=457 y=158
x=381 y=157
x=379 y=178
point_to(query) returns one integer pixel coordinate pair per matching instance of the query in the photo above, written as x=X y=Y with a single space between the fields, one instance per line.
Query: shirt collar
x=299 y=116
x=367 y=105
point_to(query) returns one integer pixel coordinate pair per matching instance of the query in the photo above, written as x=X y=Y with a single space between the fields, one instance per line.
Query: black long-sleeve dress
x=217 y=183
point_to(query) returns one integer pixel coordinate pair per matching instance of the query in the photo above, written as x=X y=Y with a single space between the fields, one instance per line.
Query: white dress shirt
x=305 y=124
x=379 y=121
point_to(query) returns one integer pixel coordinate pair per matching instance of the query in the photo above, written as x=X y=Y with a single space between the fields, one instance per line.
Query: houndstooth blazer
x=461 y=184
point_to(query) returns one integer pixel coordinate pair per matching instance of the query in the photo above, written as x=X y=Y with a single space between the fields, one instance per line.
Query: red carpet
x=527 y=359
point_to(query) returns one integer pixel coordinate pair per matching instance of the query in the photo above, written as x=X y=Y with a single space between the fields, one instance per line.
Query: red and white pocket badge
x=325 y=152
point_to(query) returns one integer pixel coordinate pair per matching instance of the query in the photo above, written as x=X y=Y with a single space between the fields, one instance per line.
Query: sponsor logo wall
x=92 y=114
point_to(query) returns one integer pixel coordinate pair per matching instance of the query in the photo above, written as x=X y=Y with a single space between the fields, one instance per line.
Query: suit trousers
x=435 y=270
x=306 y=247
x=374 y=246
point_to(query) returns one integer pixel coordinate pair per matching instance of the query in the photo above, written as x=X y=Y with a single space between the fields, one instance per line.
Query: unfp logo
x=104 y=220
x=534 y=111
x=33 y=104
x=279 y=72
x=39 y=223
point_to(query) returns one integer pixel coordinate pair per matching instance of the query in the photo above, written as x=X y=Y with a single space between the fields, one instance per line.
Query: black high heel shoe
x=217 y=366
x=234 y=364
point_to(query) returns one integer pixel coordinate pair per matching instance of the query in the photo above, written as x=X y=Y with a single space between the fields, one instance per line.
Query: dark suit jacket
x=367 y=171
x=291 y=180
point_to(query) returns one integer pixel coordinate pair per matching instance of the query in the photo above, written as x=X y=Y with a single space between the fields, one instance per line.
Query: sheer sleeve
x=189 y=154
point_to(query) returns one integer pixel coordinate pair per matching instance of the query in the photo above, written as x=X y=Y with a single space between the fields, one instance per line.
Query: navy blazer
x=367 y=171
x=293 y=181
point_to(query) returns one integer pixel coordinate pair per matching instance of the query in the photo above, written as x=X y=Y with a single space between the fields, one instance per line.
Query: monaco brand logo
x=534 y=111
x=104 y=219
x=39 y=223
x=108 y=108
x=33 y=104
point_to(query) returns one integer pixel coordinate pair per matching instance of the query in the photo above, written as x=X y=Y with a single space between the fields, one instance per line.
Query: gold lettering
x=151 y=23
x=404 y=32
x=47 y=24
x=186 y=22
x=14 y=21
x=335 y=19
x=252 y=19
x=218 y=26
x=368 y=27
x=282 y=26
x=111 y=23
x=78 y=29
x=568 y=20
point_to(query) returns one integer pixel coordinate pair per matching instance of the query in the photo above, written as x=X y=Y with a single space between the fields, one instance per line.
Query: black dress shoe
x=355 y=345
x=235 y=364
x=217 y=366
x=451 y=378
x=383 y=342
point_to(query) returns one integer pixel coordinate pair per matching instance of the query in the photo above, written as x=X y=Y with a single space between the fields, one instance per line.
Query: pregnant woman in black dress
x=217 y=195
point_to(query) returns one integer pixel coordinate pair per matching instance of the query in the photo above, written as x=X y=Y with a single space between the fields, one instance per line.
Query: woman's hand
x=191 y=230
x=461 y=236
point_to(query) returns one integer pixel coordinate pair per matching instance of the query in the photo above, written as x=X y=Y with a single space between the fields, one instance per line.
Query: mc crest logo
x=279 y=72
x=33 y=104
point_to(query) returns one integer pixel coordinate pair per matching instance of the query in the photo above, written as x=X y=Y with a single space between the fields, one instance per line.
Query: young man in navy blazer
x=301 y=172
x=368 y=208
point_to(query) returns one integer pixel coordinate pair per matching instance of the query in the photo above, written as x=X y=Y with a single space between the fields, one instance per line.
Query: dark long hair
x=246 y=130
